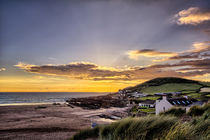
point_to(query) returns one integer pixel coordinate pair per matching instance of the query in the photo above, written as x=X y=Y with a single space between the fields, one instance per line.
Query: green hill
x=167 y=84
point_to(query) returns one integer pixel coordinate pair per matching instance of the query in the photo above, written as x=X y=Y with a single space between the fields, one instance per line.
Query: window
x=174 y=102
x=178 y=102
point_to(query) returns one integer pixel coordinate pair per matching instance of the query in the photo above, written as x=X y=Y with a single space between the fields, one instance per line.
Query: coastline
x=48 y=121
x=27 y=104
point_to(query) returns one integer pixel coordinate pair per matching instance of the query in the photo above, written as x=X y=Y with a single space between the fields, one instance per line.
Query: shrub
x=196 y=111
x=174 y=111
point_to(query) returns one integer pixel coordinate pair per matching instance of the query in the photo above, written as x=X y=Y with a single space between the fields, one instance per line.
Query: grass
x=149 y=98
x=199 y=96
x=188 y=91
x=175 y=112
x=161 y=81
x=86 y=133
x=208 y=95
x=172 y=87
x=137 y=128
x=205 y=83
x=199 y=110
x=147 y=110
x=162 y=127
x=195 y=95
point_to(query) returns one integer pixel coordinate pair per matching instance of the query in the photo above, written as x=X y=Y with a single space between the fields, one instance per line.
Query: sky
x=101 y=46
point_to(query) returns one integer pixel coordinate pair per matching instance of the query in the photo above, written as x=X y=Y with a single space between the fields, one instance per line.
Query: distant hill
x=167 y=84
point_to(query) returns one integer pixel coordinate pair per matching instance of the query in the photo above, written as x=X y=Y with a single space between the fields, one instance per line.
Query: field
x=147 y=110
x=172 y=87
x=205 y=84
x=149 y=98
x=205 y=89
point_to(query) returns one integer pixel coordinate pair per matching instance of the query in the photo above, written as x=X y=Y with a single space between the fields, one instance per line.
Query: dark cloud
x=200 y=50
x=134 y=54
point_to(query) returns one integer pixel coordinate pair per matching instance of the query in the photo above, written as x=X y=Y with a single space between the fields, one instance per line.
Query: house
x=198 y=103
x=136 y=94
x=147 y=104
x=167 y=103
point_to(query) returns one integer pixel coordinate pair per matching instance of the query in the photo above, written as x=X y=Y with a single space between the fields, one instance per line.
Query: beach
x=48 y=121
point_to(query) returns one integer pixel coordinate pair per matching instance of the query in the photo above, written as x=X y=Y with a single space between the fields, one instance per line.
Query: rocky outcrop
x=97 y=102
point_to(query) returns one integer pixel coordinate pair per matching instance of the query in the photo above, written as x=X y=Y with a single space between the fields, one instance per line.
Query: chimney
x=186 y=97
x=164 y=97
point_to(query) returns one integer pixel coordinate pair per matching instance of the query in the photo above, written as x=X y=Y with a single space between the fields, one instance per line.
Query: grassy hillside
x=164 y=127
x=172 y=87
x=168 y=84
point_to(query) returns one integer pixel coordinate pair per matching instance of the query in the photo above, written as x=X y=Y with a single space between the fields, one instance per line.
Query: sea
x=29 y=98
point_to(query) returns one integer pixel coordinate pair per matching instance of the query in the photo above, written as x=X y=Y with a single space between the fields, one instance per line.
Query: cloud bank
x=90 y=71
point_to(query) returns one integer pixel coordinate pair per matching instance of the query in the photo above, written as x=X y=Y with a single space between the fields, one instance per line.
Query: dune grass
x=150 y=128
x=174 y=112
x=162 y=127
x=86 y=133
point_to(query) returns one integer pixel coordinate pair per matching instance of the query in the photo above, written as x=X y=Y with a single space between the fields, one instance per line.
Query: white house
x=167 y=103
x=147 y=104
x=136 y=94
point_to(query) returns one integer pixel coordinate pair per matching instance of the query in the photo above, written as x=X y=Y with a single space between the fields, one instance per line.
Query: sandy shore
x=48 y=122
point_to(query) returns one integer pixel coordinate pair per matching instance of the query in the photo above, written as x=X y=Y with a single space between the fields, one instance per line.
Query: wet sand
x=48 y=122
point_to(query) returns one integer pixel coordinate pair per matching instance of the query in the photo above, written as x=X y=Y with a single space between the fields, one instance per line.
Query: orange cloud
x=2 y=69
x=199 y=50
x=192 y=16
x=134 y=54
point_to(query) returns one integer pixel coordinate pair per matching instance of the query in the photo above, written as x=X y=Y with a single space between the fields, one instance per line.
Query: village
x=159 y=102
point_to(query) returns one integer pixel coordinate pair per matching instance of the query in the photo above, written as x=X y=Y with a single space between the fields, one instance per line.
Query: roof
x=181 y=101
x=197 y=103
x=168 y=93
x=147 y=102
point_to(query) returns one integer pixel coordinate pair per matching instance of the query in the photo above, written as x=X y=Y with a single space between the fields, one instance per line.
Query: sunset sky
x=101 y=45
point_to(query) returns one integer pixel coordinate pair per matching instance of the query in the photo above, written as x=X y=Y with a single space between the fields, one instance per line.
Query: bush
x=196 y=111
x=174 y=111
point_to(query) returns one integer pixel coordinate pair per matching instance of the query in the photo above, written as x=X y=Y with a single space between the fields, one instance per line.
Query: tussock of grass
x=174 y=111
x=196 y=111
x=179 y=132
